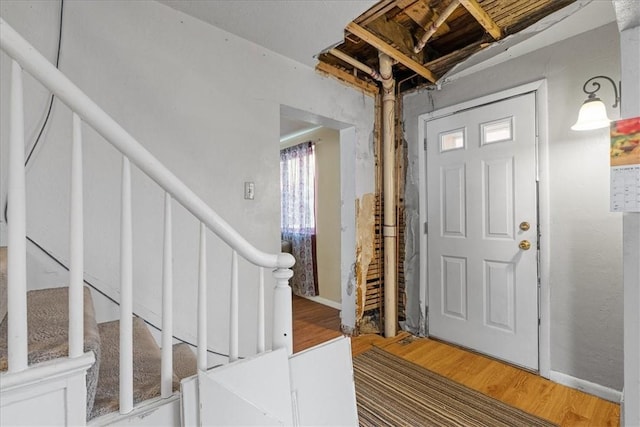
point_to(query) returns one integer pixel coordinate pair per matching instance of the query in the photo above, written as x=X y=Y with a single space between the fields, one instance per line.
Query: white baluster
x=282 y=311
x=233 y=310
x=126 y=293
x=202 y=301
x=16 y=233
x=166 y=388
x=76 y=251
x=261 y=321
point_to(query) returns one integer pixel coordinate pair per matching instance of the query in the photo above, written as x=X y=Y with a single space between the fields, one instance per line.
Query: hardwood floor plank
x=314 y=323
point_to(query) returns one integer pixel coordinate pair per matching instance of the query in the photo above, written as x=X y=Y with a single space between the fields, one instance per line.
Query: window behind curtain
x=297 y=218
x=297 y=178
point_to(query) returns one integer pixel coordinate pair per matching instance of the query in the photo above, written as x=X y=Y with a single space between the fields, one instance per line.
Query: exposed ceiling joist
x=376 y=12
x=483 y=18
x=348 y=78
x=453 y=30
x=384 y=47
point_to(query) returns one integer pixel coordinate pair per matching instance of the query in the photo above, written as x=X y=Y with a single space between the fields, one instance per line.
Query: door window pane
x=452 y=140
x=497 y=131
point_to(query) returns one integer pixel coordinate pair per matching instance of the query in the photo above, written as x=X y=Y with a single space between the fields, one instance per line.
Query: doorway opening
x=332 y=146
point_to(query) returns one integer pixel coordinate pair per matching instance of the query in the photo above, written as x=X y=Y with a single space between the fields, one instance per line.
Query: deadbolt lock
x=524 y=226
x=525 y=245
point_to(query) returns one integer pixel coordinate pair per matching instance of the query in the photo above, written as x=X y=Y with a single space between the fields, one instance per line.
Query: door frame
x=538 y=87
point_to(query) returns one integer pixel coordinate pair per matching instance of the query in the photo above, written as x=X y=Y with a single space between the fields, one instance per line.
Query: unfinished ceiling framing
x=426 y=38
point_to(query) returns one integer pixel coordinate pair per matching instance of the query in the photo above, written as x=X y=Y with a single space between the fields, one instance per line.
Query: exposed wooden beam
x=384 y=47
x=397 y=35
x=483 y=18
x=420 y=12
x=347 y=78
x=403 y=4
x=376 y=11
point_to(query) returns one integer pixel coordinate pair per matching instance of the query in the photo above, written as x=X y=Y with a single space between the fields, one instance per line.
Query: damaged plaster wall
x=365 y=223
x=415 y=321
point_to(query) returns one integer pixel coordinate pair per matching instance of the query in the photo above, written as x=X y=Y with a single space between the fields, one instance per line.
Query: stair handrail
x=26 y=57
x=43 y=71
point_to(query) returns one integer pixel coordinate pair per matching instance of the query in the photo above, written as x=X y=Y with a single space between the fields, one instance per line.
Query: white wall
x=203 y=101
x=585 y=238
x=328 y=215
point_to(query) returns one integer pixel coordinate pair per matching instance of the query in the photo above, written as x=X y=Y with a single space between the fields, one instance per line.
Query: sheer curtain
x=297 y=221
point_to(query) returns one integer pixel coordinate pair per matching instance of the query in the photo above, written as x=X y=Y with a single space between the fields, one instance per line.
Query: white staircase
x=35 y=392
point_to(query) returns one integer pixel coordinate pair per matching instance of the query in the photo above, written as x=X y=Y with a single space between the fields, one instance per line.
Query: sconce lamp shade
x=592 y=115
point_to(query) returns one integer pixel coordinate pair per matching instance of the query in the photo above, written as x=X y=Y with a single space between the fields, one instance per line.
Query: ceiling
x=297 y=29
x=463 y=35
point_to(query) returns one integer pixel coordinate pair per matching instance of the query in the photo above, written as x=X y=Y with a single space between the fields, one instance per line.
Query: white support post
x=76 y=246
x=390 y=225
x=233 y=310
x=202 y=301
x=282 y=311
x=261 y=321
x=166 y=381
x=126 y=293
x=16 y=233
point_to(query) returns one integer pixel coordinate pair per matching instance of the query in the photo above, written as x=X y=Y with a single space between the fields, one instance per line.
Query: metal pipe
x=436 y=24
x=359 y=65
x=389 y=228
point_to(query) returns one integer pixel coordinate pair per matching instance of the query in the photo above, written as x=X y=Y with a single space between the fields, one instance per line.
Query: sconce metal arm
x=596 y=87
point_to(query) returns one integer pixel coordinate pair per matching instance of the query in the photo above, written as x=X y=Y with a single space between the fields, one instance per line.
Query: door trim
x=539 y=87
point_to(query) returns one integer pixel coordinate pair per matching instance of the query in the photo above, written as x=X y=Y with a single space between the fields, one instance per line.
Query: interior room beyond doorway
x=327 y=254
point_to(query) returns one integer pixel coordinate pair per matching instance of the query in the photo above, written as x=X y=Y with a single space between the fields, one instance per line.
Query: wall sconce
x=593 y=113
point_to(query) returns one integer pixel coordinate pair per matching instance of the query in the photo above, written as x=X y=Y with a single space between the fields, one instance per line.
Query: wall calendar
x=625 y=165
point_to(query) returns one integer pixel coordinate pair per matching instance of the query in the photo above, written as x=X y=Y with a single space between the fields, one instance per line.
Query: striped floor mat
x=391 y=391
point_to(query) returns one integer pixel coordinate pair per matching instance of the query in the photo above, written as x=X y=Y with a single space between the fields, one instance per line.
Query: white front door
x=482 y=229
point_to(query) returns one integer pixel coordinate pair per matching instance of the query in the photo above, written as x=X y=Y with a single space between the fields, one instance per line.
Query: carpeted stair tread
x=146 y=367
x=48 y=329
x=184 y=361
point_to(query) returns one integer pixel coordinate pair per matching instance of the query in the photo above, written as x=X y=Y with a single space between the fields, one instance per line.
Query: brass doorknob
x=524 y=226
x=525 y=245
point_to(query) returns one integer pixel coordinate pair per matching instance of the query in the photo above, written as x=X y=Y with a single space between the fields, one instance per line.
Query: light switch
x=249 y=190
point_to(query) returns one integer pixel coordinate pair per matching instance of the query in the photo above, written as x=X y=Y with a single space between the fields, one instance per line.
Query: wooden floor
x=314 y=323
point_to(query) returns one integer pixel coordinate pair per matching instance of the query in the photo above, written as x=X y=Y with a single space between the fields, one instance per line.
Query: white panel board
x=255 y=386
x=322 y=383
x=189 y=413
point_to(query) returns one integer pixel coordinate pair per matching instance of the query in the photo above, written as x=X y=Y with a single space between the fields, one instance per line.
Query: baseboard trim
x=327 y=302
x=601 y=391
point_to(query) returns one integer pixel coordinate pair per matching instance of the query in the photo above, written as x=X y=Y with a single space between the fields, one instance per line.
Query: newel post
x=282 y=311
